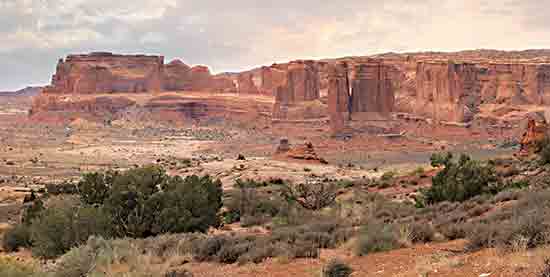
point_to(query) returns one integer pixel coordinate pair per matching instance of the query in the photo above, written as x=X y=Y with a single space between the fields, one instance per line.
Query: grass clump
x=376 y=237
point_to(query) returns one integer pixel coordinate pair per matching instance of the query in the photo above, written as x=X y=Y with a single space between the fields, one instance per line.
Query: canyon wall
x=451 y=91
x=98 y=73
x=445 y=87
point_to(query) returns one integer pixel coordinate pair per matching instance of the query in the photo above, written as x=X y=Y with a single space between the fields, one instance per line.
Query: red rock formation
x=301 y=85
x=459 y=87
x=371 y=88
x=247 y=83
x=68 y=107
x=533 y=136
x=177 y=76
x=338 y=95
x=98 y=73
x=446 y=91
x=305 y=152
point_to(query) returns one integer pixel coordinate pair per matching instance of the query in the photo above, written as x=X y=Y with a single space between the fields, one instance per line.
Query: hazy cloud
x=235 y=35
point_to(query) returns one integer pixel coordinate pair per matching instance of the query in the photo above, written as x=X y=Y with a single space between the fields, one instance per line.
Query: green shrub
x=64 y=225
x=94 y=187
x=32 y=211
x=16 y=237
x=146 y=201
x=51 y=233
x=336 y=268
x=376 y=237
x=459 y=181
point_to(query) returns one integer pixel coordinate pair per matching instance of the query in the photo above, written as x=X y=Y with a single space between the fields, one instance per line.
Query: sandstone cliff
x=458 y=87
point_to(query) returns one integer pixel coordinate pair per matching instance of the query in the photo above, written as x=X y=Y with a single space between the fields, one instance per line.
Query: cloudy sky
x=239 y=34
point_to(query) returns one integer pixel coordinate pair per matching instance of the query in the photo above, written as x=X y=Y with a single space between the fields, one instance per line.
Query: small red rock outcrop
x=536 y=133
x=305 y=152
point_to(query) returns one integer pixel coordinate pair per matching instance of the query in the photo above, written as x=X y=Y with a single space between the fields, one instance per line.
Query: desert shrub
x=545 y=271
x=251 y=206
x=65 y=187
x=146 y=201
x=336 y=268
x=453 y=231
x=507 y=195
x=313 y=196
x=16 y=237
x=12 y=268
x=479 y=210
x=544 y=153
x=460 y=180
x=421 y=232
x=51 y=232
x=32 y=211
x=376 y=237
x=187 y=205
x=530 y=227
x=94 y=187
x=64 y=225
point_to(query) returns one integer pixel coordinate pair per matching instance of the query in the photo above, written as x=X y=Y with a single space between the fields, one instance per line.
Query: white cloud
x=235 y=35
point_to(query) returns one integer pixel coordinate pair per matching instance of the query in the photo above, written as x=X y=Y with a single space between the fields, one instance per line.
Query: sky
x=242 y=34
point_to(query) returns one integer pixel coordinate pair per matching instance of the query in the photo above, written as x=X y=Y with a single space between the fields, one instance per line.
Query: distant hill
x=28 y=91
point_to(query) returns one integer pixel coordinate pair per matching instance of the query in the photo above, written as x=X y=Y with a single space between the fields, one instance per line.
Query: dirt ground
x=436 y=259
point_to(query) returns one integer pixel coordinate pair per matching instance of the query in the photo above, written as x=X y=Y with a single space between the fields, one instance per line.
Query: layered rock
x=99 y=73
x=305 y=152
x=371 y=88
x=536 y=133
x=446 y=91
x=338 y=95
x=177 y=76
x=300 y=87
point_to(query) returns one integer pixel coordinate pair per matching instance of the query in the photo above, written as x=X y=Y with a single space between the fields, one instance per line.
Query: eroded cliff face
x=457 y=87
x=446 y=91
x=296 y=97
x=99 y=73
x=371 y=88
x=105 y=73
x=449 y=91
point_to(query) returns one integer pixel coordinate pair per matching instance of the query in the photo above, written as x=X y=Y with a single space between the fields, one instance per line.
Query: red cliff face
x=515 y=83
x=446 y=91
x=301 y=85
x=458 y=87
x=105 y=73
x=449 y=91
x=99 y=73
x=371 y=88
x=338 y=95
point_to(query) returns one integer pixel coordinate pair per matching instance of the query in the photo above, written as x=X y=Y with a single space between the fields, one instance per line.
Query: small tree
x=312 y=196
x=94 y=187
x=460 y=180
